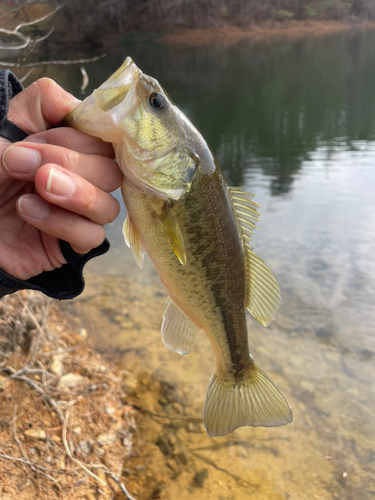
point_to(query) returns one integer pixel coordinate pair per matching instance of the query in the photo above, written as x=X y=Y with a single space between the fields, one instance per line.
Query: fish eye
x=157 y=101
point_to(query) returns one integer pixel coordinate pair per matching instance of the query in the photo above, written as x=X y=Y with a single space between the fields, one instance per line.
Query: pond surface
x=293 y=122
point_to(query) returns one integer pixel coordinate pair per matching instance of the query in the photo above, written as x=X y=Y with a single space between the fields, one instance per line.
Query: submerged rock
x=200 y=477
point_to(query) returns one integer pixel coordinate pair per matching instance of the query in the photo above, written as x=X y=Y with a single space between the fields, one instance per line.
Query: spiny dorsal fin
x=178 y=331
x=132 y=240
x=263 y=297
x=173 y=233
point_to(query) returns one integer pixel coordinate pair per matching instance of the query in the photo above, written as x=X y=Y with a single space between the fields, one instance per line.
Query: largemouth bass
x=197 y=232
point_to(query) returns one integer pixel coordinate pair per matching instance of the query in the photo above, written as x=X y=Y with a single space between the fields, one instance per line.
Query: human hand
x=55 y=185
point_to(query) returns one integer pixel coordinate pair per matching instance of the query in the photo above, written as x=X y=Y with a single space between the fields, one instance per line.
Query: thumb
x=41 y=106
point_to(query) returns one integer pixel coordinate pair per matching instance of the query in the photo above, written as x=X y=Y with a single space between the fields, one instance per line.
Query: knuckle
x=89 y=200
x=45 y=85
x=68 y=159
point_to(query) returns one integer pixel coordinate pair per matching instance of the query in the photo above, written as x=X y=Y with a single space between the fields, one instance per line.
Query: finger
x=73 y=139
x=82 y=234
x=22 y=160
x=72 y=192
x=41 y=106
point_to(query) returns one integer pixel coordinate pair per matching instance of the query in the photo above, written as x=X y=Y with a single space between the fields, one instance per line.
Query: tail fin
x=254 y=401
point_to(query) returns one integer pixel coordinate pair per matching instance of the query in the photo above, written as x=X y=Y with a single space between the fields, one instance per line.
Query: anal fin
x=132 y=240
x=178 y=331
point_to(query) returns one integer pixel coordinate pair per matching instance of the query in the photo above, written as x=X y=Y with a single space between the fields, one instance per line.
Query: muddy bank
x=228 y=35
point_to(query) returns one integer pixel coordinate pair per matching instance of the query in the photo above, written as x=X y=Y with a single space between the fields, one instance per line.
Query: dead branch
x=69 y=453
x=26 y=40
x=39 y=390
x=54 y=62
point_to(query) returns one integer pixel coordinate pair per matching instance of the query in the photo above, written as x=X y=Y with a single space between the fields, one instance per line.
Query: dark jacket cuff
x=66 y=282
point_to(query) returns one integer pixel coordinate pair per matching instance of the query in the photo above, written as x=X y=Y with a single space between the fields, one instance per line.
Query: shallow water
x=293 y=122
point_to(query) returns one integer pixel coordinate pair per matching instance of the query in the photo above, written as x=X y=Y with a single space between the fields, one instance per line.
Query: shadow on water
x=294 y=122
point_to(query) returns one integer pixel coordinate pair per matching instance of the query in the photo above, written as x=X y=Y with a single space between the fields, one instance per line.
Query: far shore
x=227 y=35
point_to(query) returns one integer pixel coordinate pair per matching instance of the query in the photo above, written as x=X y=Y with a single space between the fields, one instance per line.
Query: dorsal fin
x=132 y=240
x=178 y=331
x=263 y=296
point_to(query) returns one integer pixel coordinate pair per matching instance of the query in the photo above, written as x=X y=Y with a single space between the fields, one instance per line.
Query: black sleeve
x=67 y=281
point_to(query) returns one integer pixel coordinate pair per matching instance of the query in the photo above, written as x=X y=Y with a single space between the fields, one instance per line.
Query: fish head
x=156 y=146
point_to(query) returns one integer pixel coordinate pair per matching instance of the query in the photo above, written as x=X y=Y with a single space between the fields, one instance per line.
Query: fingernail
x=39 y=140
x=32 y=207
x=19 y=160
x=59 y=183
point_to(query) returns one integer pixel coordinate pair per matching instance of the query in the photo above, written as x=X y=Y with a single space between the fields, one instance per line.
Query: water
x=294 y=122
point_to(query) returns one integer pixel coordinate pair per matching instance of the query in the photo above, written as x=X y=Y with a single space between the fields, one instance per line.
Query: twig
x=93 y=466
x=85 y=80
x=26 y=39
x=26 y=75
x=119 y=483
x=39 y=390
x=54 y=62
x=40 y=19
x=69 y=453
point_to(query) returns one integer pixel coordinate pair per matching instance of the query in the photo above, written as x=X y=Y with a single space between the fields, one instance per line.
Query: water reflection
x=257 y=102
x=293 y=122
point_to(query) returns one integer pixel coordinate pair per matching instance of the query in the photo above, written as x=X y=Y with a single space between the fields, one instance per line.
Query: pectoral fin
x=263 y=297
x=173 y=233
x=132 y=240
x=178 y=331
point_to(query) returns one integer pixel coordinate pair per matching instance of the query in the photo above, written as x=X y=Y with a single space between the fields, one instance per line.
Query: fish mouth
x=127 y=74
x=97 y=114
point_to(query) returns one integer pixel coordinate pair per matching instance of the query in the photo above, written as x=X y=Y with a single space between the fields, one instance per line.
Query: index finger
x=75 y=140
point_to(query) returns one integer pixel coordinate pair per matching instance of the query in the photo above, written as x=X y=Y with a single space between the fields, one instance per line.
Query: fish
x=197 y=232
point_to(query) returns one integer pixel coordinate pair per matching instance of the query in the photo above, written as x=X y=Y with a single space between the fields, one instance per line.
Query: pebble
x=200 y=477
x=129 y=382
x=60 y=465
x=84 y=447
x=4 y=383
x=35 y=434
x=106 y=438
x=164 y=446
x=82 y=332
x=181 y=455
x=177 y=407
x=56 y=367
x=70 y=380
x=24 y=484
x=141 y=469
x=109 y=410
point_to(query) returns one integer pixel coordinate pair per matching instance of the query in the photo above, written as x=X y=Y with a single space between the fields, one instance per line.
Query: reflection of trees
x=267 y=106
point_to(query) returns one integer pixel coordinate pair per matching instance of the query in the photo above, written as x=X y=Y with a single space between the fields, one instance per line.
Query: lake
x=294 y=122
